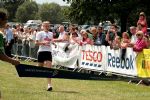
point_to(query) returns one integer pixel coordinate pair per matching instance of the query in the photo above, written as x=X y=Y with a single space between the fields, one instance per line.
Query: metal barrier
x=22 y=50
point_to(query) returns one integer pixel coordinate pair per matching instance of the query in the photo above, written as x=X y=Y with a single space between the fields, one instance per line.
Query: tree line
x=23 y=10
x=126 y=12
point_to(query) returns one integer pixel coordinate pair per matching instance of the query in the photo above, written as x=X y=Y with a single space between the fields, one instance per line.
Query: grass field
x=14 y=88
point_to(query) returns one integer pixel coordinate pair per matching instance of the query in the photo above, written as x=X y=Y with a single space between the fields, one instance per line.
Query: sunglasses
x=138 y=34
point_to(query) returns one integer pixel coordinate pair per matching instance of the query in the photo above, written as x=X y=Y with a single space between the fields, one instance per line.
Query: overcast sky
x=60 y=2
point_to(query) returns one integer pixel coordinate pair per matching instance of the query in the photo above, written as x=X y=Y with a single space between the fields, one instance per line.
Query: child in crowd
x=142 y=23
x=116 y=43
x=124 y=44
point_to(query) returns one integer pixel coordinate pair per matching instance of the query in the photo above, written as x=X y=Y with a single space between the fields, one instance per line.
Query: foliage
x=50 y=12
x=23 y=10
x=26 y=11
x=99 y=10
x=65 y=13
x=4 y=10
x=11 y=6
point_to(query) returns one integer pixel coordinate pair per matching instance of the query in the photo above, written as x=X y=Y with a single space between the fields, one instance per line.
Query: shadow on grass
x=72 y=92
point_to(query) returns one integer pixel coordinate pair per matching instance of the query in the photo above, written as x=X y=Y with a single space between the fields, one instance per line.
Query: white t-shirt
x=44 y=36
x=61 y=35
x=32 y=40
x=133 y=39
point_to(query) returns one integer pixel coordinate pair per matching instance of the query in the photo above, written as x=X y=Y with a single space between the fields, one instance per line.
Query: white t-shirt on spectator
x=133 y=38
x=61 y=35
x=44 y=36
x=32 y=43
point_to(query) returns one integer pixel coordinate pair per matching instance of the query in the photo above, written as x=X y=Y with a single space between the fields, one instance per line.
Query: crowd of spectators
x=20 y=40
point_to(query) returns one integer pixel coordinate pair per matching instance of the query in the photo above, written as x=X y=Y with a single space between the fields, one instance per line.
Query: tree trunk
x=123 y=19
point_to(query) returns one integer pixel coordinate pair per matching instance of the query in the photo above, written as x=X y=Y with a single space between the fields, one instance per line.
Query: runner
x=43 y=39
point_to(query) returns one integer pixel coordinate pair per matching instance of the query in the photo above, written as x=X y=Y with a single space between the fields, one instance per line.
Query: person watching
x=141 y=43
x=3 y=56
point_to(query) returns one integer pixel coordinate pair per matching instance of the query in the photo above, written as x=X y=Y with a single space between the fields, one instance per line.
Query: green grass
x=13 y=87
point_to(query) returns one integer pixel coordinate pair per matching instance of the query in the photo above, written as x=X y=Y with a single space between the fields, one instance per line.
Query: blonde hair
x=45 y=22
x=140 y=32
x=126 y=34
x=82 y=31
x=142 y=14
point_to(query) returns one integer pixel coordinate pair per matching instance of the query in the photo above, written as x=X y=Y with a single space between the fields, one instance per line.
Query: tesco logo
x=92 y=56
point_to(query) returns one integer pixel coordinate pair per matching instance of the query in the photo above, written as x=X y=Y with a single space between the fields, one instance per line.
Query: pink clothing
x=140 y=45
x=86 y=41
x=125 y=42
x=143 y=23
x=144 y=30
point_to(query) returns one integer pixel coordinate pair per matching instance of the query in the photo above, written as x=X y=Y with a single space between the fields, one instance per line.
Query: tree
x=11 y=6
x=64 y=14
x=99 y=10
x=87 y=11
x=26 y=11
x=4 y=10
x=50 y=12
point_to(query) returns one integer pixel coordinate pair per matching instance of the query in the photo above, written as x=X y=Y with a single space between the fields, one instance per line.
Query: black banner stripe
x=42 y=72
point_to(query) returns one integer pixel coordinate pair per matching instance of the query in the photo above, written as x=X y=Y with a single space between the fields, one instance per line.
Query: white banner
x=98 y=58
x=66 y=58
x=117 y=65
x=91 y=57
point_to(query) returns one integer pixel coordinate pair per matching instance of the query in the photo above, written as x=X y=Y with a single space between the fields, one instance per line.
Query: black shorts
x=44 y=56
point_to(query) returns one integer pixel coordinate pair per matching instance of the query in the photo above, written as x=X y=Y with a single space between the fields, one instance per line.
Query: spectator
x=74 y=38
x=25 y=42
x=32 y=47
x=147 y=40
x=9 y=40
x=15 y=35
x=19 y=41
x=72 y=29
x=133 y=36
x=142 y=23
x=124 y=44
x=3 y=56
x=85 y=39
x=73 y=41
x=141 y=43
x=78 y=32
x=125 y=40
x=111 y=34
x=100 y=40
x=116 y=43
x=62 y=35
x=93 y=31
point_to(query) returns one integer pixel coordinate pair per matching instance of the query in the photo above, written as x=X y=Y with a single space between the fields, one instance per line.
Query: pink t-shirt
x=140 y=45
x=86 y=41
x=144 y=26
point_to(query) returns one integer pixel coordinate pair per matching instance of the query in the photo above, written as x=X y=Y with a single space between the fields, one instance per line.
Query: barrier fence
x=104 y=59
x=94 y=58
x=24 y=49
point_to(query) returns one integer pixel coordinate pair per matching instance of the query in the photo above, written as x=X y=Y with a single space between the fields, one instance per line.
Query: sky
x=60 y=2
